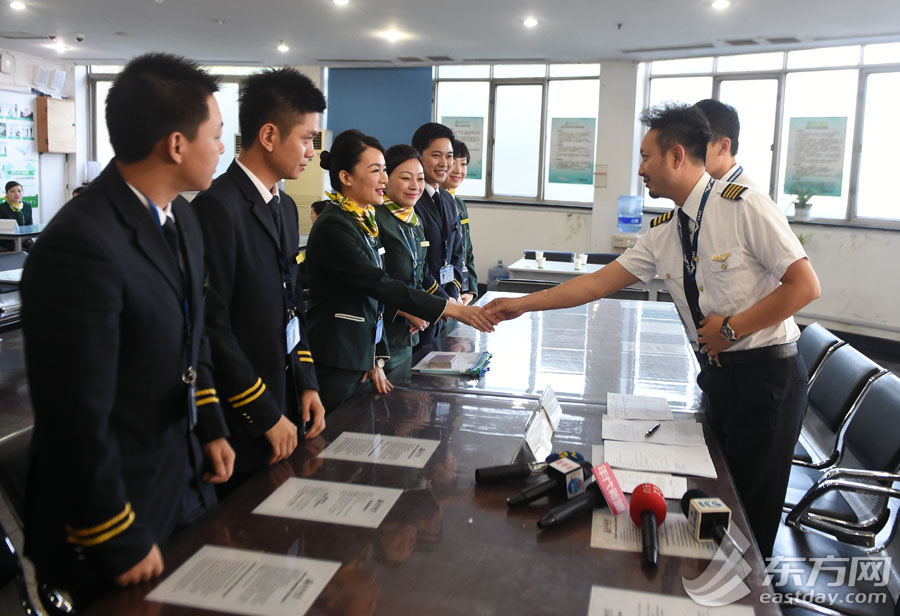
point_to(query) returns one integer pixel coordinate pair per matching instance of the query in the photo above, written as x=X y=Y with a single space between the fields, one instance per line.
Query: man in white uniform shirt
x=737 y=274
x=723 y=145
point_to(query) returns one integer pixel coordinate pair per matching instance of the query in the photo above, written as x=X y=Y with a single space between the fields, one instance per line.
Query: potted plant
x=802 y=204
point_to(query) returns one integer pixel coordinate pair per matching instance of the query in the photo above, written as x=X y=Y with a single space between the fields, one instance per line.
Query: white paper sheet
x=381 y=449
x=628 y=406
x=246 y=582
x=618 y=532
x=607 y=601
x=330 y=501
x=671 y=486
x=685 y=432
x=660 y=458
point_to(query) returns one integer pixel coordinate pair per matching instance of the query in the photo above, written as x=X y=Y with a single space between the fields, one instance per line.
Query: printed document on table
x=330 y=501
x=381 y=449
x=660 y=458
x=619 y=532
x=608 y=601
x=671 y=486
x=628 y=406
x=246 y=582
x=685 y=432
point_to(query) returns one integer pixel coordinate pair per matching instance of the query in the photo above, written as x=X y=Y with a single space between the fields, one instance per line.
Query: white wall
x=52 y=167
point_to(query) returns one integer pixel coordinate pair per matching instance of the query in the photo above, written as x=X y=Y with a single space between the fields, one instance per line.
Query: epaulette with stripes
x=733 y=191
x=662 y=218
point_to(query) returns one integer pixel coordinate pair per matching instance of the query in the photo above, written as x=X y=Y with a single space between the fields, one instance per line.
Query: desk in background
x=556 y=271
x=24 y=232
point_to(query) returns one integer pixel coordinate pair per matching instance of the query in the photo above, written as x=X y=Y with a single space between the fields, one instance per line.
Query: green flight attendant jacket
x=348 y=290
x=404 y=259
x=471 y=284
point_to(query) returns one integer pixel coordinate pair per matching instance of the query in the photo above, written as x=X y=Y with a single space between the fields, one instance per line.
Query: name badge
x=379 y=330
x=192 y=406
x=292 y=334
x=425 y=243
x=381 y=250
x=446 y=274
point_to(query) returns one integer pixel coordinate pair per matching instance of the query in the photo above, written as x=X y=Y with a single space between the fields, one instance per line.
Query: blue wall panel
x=389 y=103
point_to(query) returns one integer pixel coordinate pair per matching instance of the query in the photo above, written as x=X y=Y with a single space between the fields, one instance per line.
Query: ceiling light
x=393 y=35
x=282 y=47
x=17 y=6
x=721 y=5
x=342 y=2
x=530 y=22
x=59 y=46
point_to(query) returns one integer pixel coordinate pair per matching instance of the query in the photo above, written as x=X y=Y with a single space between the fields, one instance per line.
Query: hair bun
x=325 y=159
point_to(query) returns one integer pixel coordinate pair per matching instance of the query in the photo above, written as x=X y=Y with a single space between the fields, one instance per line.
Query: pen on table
x=650 y=432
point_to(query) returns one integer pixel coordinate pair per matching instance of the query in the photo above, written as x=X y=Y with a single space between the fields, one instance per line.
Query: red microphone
x=648 y=510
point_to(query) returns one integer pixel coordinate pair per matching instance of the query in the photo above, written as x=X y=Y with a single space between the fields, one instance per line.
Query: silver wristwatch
x=727 y=332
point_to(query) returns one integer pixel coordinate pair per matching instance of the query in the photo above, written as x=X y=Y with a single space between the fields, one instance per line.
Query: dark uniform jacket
x=404 y=259
x=22 y=217
x=247 y=312
x=470 y=283
x=347 y=284
x=445 y=243
x=106 y=350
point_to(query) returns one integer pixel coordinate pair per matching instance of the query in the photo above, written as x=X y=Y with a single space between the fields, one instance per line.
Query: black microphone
x=508 y=473
x=708 y=517
x=592 y=497
x=648 y=511
x=557 y=480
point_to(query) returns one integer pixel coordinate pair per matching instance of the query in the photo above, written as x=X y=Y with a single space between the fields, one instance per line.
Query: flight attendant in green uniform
x=403 y=238
x=455 y=177
x=348 y=286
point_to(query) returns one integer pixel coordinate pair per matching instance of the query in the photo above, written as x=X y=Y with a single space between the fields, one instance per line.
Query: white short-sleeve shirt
x=744 y=248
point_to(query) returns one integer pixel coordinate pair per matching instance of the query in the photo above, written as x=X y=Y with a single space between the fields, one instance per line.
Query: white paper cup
x=540 y=262
x=538 y=254
x=583 y=257
x=578 y=263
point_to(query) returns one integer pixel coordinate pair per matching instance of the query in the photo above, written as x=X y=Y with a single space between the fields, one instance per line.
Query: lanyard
x=411 y=246
x=690 y=258
x=737 y=173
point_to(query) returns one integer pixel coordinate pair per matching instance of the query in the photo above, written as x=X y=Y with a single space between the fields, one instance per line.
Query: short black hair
x=396 y=155
x=427 y=133
x=345 y=153
x=11 y=184
x=319 y=206
x=280 y=96
x=155 y=95
x=678 y=124
x=460 y=150
x=723 y=121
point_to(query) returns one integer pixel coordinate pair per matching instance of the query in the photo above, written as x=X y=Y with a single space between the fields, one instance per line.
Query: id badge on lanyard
x=446 y=274
x=292 y=334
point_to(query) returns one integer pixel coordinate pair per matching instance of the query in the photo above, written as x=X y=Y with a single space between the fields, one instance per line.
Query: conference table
x=561 y=271
x=449 y=546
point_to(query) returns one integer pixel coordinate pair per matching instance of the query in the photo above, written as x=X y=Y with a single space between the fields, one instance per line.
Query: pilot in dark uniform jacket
x=348 y=292
x=113 y=332
x=249 y=259
x=440 y=219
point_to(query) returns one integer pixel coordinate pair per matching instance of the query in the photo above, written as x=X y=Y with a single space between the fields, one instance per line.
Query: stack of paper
x=462 y=364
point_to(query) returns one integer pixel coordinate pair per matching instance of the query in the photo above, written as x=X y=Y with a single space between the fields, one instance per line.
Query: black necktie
x=170 y=232
x=437 y=200
x=690 y=284
x=275 y=210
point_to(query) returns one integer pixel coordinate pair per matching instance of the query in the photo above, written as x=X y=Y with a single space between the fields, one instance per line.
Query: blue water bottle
x=630 y=211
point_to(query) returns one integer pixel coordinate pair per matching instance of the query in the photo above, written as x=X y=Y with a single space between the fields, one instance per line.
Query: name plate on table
x=9 y=226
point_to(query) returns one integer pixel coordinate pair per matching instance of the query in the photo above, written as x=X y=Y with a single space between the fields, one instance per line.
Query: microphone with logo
x=565 y=474
x=648 y=510
x=708 y=517
x=508 y=473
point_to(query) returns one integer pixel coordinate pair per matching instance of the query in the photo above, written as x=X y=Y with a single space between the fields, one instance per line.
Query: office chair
x=630 y=293
x=13 y=587
x=553 y=255
x=601 y=258
x=14 y=461
x=664 y=296
x=833 y=398
x=524 y=286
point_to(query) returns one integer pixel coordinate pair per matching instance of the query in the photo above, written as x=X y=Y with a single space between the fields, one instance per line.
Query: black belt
x=777 y=351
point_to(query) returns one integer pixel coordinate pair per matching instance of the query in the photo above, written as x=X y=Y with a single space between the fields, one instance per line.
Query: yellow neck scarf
x=364 y=217
x=16 y=207
x=405 y=214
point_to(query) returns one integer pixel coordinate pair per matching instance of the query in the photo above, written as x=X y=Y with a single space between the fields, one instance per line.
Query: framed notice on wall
x=572 y=150
x=18 y=143
x=815 y=156
x=471 y=132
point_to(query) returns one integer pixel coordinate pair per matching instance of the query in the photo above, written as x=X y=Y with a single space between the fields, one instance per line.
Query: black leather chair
x=553 y=255
x=850 y=500
x=832 y=399
x=816 y=344
x=14 y=460
x=630 y=293
x=601 y=258
x=664 y=296
x=524 y=286
x=13 y=587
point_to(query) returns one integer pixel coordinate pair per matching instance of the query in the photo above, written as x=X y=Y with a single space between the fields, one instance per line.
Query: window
x=846 y=92
x=530 y=128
